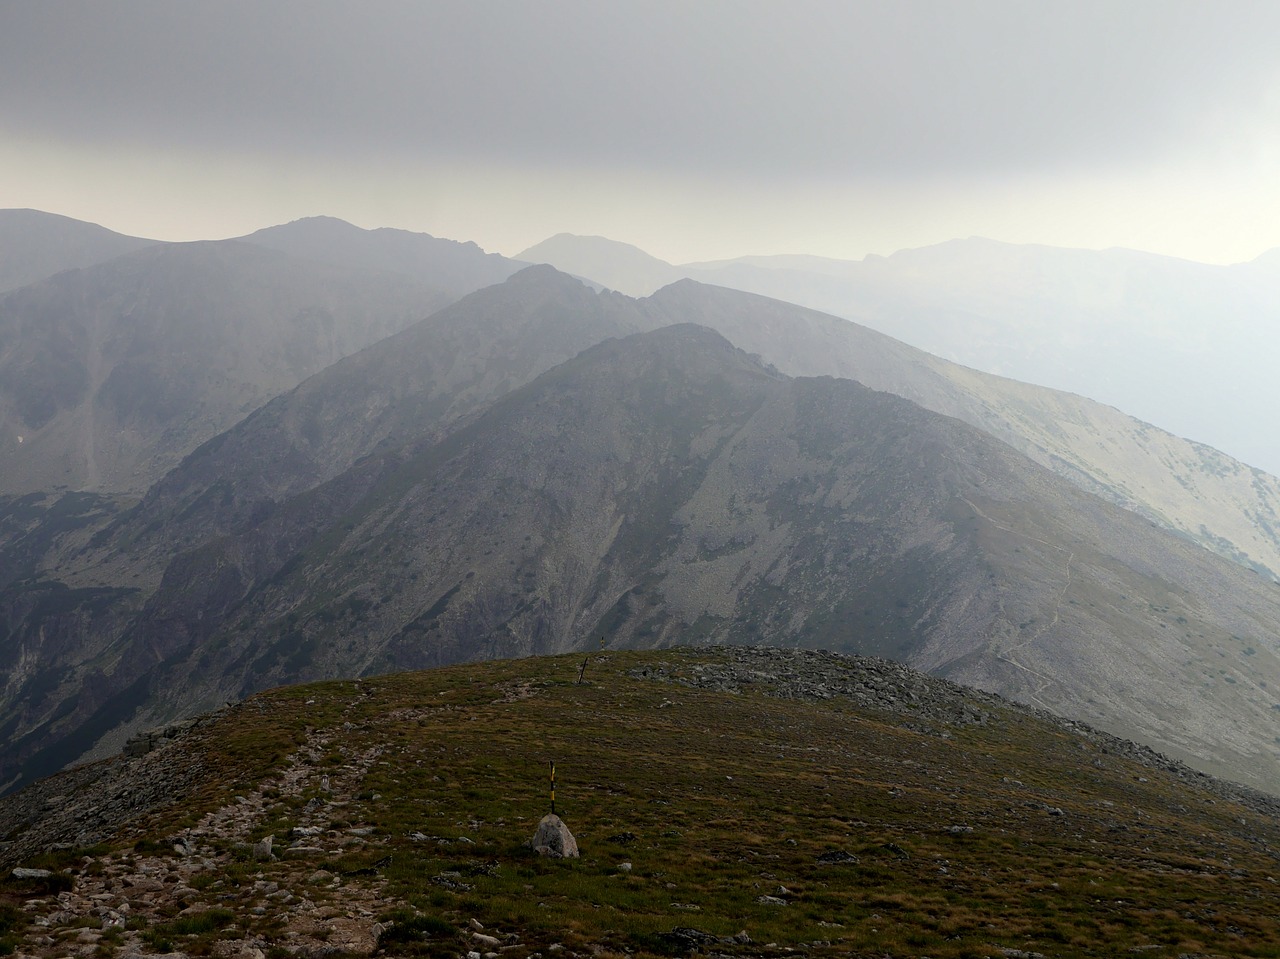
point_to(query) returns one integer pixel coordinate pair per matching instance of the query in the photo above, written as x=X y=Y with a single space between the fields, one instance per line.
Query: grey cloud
x=747 y=88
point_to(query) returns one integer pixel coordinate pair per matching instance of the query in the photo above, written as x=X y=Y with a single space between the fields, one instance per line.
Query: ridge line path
x=1007 y=655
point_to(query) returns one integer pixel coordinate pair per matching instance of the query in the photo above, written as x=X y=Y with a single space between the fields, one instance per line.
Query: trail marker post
x=553 y=787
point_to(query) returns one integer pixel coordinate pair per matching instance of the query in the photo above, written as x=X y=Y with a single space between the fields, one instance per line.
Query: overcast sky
x=695 y=130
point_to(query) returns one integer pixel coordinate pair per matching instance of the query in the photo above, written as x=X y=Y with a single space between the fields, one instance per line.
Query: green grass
x=190 y=933
x=729 y=797
x=12 y=923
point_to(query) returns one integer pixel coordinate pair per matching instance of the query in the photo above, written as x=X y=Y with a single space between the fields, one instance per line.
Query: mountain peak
x=611 y=263
x=457 y=268
x=540 y=273
x=313 y=225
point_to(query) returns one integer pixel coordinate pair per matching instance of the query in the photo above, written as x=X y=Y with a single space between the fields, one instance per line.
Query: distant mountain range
x=489 y=483
x=111 y=373
x=1187 y=346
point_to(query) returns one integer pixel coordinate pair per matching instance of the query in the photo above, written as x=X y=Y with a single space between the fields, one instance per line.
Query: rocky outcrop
x=145 y=742
x=90 y=803
x=553 y=839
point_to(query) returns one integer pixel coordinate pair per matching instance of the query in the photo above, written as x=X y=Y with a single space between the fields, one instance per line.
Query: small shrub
x=407 y=933
x=201 y=922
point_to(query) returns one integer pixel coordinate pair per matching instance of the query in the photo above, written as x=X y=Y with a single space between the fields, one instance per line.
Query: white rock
x=554 y=839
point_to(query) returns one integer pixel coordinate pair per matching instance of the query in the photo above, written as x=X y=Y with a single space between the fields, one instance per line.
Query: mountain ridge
x=113 y=372
x=1152 y=335
x=667 y=486
x=35 y=245
x=456 y=267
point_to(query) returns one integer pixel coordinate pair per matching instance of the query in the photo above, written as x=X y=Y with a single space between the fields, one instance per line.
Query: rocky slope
x=666 y=488
x=750 y=802
x=405 y=389
x=505 y=336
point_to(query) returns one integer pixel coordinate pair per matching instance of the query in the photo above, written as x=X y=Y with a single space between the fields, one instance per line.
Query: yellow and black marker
x=553 y=786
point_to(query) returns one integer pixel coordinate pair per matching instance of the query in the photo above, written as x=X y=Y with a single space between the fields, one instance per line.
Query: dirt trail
x=1009 y=655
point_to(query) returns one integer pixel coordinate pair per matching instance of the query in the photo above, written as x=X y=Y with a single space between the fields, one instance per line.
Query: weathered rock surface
x=120 y=895
x=553 y=839
x=89 y=803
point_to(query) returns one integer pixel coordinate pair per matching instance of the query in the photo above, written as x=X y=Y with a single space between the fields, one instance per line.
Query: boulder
x=554 y=839
x=262 y=850
x=21 y=873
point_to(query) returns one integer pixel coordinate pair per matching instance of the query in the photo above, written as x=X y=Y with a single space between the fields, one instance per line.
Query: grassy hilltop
x=764 y=800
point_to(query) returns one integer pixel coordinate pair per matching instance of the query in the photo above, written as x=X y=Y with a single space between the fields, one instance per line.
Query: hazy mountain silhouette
x=111 y=374
x=617 y=266
x=1187 y=346
x=35 y=245
x=454 y=268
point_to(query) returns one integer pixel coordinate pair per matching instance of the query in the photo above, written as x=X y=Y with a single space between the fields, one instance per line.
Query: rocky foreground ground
x=145 y=856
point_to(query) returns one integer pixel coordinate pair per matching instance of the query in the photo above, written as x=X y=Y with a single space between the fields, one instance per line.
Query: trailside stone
x=262 y=850
x=303 y=852
x=554 y=839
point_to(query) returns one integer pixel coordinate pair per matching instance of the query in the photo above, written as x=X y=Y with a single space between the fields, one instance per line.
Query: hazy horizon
x=694 y=133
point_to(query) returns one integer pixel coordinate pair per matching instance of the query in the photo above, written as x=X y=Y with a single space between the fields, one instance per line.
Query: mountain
x=109 y=375
x=665 y=487
x=618 y=266
x=1190 y=488
x=1187 y=487
x=1187 y=346
x=741 y=802
x=454 y=268
x=35 y=245
x=407 y=388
